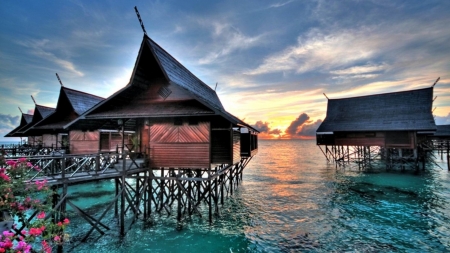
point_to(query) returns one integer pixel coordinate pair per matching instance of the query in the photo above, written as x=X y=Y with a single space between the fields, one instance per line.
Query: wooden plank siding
x=109 y=141
x=84 y=142
x=236 y=147
x=180 y=145
x=49 y=140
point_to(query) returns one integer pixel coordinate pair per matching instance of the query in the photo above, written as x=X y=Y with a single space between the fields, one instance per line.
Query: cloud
x=265 y=131
x=277 y=5
x=362 y=71
x=442 y=120
x=8 y=123
x=302 y=127
x=309 y=129
x=293 y=128
x=42 y=49
x=318 y=50
x=226 y=40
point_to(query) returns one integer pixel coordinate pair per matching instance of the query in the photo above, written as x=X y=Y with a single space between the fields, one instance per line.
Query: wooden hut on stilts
x=71 y=103
x=25 y=119
x=391 y=128
x=194 y=150
x=441 y=142
x=40 y=112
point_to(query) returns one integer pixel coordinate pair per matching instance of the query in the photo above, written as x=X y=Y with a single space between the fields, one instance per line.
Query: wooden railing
x=61 y=168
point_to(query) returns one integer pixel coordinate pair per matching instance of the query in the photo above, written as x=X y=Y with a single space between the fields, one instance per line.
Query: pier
x=139 y=190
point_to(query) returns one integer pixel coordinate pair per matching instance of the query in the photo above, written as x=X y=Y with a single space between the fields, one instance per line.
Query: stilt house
x=40 y=113
x=25 y=119
x=71 y=103
x=391 y=120
x=442 y=132
x=178 y=120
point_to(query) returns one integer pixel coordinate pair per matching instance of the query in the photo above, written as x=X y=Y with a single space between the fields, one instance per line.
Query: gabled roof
x=442 y=131
x=397 y=111
x=180 y=75
x=71 y=104
x=24 y=120
x=157 y=72
x=40 y=113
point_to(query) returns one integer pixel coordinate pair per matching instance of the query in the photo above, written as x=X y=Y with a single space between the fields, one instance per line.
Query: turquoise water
x=291 y=200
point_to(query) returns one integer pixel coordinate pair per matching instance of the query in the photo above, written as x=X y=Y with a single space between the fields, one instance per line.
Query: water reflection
x=291 y=200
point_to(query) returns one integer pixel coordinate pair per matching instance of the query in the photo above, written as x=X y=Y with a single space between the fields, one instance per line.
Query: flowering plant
x=20 y=200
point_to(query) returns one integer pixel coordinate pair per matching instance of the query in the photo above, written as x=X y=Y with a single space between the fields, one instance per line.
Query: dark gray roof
x=442 y=131
x=44 y=110
x=71 y=104
x=81 y=101
x=153 y=63
x=396 y=111
x=178 y=74
x=40 y=112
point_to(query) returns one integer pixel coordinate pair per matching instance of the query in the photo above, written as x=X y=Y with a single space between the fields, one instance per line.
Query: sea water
x=290 y=200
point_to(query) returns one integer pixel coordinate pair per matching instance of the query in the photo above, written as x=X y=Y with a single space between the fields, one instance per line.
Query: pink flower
x=5 y=177
x=59 y=224
x=35 y=231
x=22 y=159
x=66 y=221
x=11 y=163
x=41 y=215
x=30 y=165
x=57 y=238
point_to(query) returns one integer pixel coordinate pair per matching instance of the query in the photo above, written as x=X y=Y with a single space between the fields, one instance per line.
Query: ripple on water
x=291 y=200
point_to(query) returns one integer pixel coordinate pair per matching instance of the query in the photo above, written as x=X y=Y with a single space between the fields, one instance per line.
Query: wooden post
x=122 y=196
x=209 y=198
x=448 y=155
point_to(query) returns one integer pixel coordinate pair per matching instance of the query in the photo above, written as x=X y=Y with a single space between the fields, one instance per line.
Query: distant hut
x=40 y=113
x=442 y=133
x=71 y=103
x=178 y=120
x=25 y=119
x=399 y=120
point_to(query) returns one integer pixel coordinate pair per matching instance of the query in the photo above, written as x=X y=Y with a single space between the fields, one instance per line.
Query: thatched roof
x=160 y=86
x=40 y=113
x=396 y=111
x=442 y=131
x=71 y=104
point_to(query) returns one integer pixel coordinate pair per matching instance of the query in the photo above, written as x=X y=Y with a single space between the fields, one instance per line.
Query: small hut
x=25 y=119
x=40 y=113
x=177 y=119
x=399 y=122
x=71 y=103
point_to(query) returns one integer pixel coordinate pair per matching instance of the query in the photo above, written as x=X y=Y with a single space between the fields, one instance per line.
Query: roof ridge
x=45 y=106
x=381 y=94
x=179 y=63
x=82 y=92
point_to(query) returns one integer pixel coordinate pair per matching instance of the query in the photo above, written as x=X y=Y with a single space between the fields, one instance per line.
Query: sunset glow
x=272 y=73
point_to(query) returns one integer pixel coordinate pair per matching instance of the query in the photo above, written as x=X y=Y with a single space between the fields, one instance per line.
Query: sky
x=272 y=60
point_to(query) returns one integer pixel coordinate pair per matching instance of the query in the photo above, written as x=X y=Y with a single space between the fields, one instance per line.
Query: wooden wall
x=84 y=142
x=49 y=140
x=176 y=143
x=109 y=141
x=236 y=147
x=35 y=140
